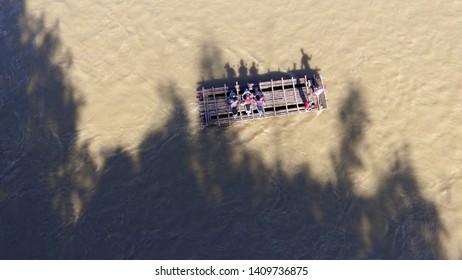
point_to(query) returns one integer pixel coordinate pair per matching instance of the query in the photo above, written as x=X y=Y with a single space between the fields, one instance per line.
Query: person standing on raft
x=233 y=102
x=247 y=99
x=260 y=101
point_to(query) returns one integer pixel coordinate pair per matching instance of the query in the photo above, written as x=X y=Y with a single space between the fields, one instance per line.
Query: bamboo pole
x=226 y=99
x=251 y=105
x=325 y=91
x=259 y=87
x=239 y=97
x=272 y=91
x=206 y=115
x=216 y=107
x=307 y=86
x=284 y=93
x=295 y=94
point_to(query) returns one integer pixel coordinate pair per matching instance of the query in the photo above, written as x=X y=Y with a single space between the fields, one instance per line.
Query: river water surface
x=103 y=154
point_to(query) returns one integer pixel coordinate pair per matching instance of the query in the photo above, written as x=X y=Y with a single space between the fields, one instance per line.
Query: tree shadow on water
x=185 y=194
x=396 y=222
x=195 y=195
x=38 y=109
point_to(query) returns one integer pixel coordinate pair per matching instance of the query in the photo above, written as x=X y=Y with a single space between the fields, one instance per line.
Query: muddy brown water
x=103 y=154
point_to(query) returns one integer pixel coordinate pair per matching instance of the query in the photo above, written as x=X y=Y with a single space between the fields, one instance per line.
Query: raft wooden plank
x=251 y=103
x=278 y=113
x=263 y=99
x=251 y=110
x=288 y=112
x=282 y=82
x=318 y=81
x=221 y=91
x=277 y=84
x=283 y=112
x=301 y=81
x=217 y=90
x=284 y=93
x=325 y=91
x=216 y=109
x=208 y=93
x=295 y=94
x=279 y=93
x=275 y=100
x=318 y=102
x=221 y=101
x=239 y=97
x=205 y=107
x=272 y=91
x=226 y=98
x=265 y=85
x=223 y=95
x=307 y=85
x=208 y=108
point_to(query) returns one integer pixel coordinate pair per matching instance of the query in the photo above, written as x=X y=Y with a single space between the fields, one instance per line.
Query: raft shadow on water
x=247 y=74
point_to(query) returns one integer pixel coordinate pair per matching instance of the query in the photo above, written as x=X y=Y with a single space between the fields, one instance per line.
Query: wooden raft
x=282 y=97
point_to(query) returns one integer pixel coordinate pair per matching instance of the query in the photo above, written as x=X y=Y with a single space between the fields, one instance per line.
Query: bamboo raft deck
x=282 y=97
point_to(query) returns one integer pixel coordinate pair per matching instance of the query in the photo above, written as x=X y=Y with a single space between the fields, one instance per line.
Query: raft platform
x=282 y=97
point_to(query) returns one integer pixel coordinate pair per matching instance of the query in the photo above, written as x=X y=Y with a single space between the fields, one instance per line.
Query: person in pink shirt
x=260 y=101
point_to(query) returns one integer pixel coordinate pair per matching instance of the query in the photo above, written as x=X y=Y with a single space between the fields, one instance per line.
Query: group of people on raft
x=246 y=100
